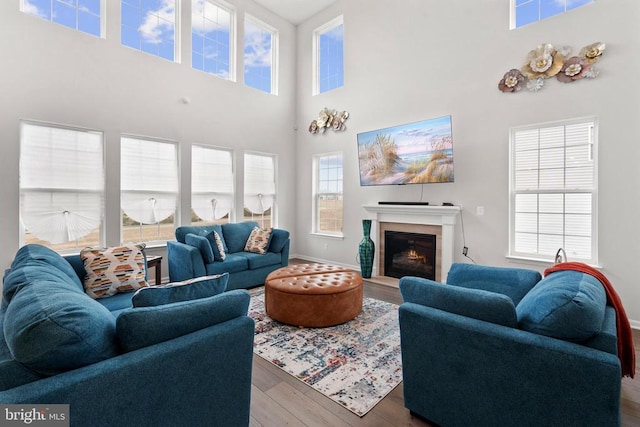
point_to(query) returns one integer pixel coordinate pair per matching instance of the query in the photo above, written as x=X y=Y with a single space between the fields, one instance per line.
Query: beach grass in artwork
x=414 y=153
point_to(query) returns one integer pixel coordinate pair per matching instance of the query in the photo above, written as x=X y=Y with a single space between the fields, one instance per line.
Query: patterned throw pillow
x=258 y=240
x=113 y=270
x=220 y=246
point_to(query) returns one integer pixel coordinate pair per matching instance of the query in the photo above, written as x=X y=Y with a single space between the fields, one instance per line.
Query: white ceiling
x=295 y=11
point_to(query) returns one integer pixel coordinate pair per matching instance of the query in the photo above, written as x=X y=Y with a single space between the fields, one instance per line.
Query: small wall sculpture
x=329 y=119
x=546 y=61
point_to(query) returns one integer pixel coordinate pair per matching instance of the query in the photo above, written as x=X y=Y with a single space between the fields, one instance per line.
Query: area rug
x=355 y=364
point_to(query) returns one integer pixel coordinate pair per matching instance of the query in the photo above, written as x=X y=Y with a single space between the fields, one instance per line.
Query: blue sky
x=331 y=59
x=85 y=17
x=413 y=136
x=528 y=11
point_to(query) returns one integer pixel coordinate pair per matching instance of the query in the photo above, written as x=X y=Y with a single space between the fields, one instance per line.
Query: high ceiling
x=295 y=11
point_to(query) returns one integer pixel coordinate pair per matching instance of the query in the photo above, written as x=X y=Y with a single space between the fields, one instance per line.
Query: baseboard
x=635 y=324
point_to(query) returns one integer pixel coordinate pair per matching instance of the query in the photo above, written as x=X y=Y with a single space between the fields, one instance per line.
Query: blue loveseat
x=194 y=254
x=182 y=363
x=501 y=347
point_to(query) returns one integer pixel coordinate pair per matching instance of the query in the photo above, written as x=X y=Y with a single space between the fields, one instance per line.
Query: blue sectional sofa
x=199 y=257
x=501 y=347
x=181 y=363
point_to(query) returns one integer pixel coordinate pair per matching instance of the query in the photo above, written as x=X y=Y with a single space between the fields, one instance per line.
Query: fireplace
x=409 y=254
x=423 y=219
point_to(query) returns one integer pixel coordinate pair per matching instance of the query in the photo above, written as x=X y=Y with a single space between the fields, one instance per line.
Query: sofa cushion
x=513 y=282
x=143 y=326
x=187 y=290
x=234 y=263
x=258 y=261
x=236 y=234
x=12 y=373
x=117 y=302
x=51 y=328
x=203 y=244
x=23 y=274
x=569 y=305
x=475 y=303
x=32 y=252
x=279 y=239
x=113 y=270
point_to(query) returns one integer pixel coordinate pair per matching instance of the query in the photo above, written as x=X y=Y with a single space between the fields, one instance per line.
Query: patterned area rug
x=356 y=364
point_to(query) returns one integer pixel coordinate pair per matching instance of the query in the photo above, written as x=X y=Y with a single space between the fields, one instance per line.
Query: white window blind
x=329 y=188
x=259 y=183
x=211 y=183
x=61 y=184
x=554 y=191
x=149 y=181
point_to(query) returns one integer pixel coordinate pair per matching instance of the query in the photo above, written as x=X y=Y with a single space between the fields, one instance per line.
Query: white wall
x=415 y=59
x=54 y=74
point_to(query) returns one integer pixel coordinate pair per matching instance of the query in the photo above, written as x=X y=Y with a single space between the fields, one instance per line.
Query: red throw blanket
x=626 y=350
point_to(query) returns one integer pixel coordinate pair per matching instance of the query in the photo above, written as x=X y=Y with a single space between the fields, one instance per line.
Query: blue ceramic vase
x=366 y=250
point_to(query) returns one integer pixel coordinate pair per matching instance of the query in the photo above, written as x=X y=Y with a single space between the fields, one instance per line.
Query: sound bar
x=404 y=203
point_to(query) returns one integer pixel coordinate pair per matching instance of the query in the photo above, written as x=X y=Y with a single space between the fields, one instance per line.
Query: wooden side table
x=156 y=261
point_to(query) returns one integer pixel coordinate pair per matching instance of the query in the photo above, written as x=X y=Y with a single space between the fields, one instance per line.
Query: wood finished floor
x=278 y=399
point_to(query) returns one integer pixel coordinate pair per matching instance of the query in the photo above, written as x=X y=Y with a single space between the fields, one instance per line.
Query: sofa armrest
x=512 y=377
x=162 y=384
x=185 y=262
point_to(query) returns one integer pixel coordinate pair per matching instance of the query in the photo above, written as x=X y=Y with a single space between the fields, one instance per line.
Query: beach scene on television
x=415 y=153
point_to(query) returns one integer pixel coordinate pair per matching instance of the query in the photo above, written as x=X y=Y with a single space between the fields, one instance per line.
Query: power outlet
x=480 y=210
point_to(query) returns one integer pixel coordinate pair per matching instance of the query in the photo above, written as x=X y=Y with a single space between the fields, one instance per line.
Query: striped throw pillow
x=113 y=270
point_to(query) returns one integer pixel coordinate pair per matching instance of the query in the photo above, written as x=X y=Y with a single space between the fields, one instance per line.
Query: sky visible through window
x=528 y=11
x=211 y=38
x=82 y=15
x=258 y=56
x=149 y=26
x=331 y=59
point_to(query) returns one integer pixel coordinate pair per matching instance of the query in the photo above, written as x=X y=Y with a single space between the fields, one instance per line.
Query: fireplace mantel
x=442 y=216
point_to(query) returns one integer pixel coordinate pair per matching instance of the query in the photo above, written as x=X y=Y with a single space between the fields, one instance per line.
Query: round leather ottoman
x=313 y=295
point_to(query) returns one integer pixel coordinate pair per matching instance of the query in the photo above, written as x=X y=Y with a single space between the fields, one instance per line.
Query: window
x=527 y=11
x=212 y=35
x=81 y=15
x=328 y=50
x=211 y=185
x=553 y=191
x=259 y=188
x=259 y=55
x=328 y=194
x=61 y=186
x=150 y=26
x=149 y=189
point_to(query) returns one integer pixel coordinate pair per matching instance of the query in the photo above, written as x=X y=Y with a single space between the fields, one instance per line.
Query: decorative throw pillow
x=187 y=290
x=221 y=254
x=113 y=270
x=258 y=240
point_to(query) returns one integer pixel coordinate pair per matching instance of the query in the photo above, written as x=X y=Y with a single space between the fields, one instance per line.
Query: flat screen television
x=415 y=153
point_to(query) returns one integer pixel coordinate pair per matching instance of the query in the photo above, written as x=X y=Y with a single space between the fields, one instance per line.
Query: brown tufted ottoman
x=314 y=295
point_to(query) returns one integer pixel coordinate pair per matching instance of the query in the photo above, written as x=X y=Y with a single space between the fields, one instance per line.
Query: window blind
x=61 y=182
x=149 y=179
x=259 y=182
x=211 y=182
x=554 y=185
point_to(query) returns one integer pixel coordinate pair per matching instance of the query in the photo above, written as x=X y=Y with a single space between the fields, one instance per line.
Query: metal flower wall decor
x=329 y=119
x=545 y=62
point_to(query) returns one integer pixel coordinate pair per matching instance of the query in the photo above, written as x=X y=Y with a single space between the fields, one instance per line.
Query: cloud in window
x=32 y=9
x=159 y=25
x=257 y=47
x=207 y=17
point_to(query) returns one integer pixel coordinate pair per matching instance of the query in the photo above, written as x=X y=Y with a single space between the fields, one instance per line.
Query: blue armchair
x=500 y=347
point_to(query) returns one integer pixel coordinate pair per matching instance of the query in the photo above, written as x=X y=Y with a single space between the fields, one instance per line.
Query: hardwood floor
x=278 y=399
